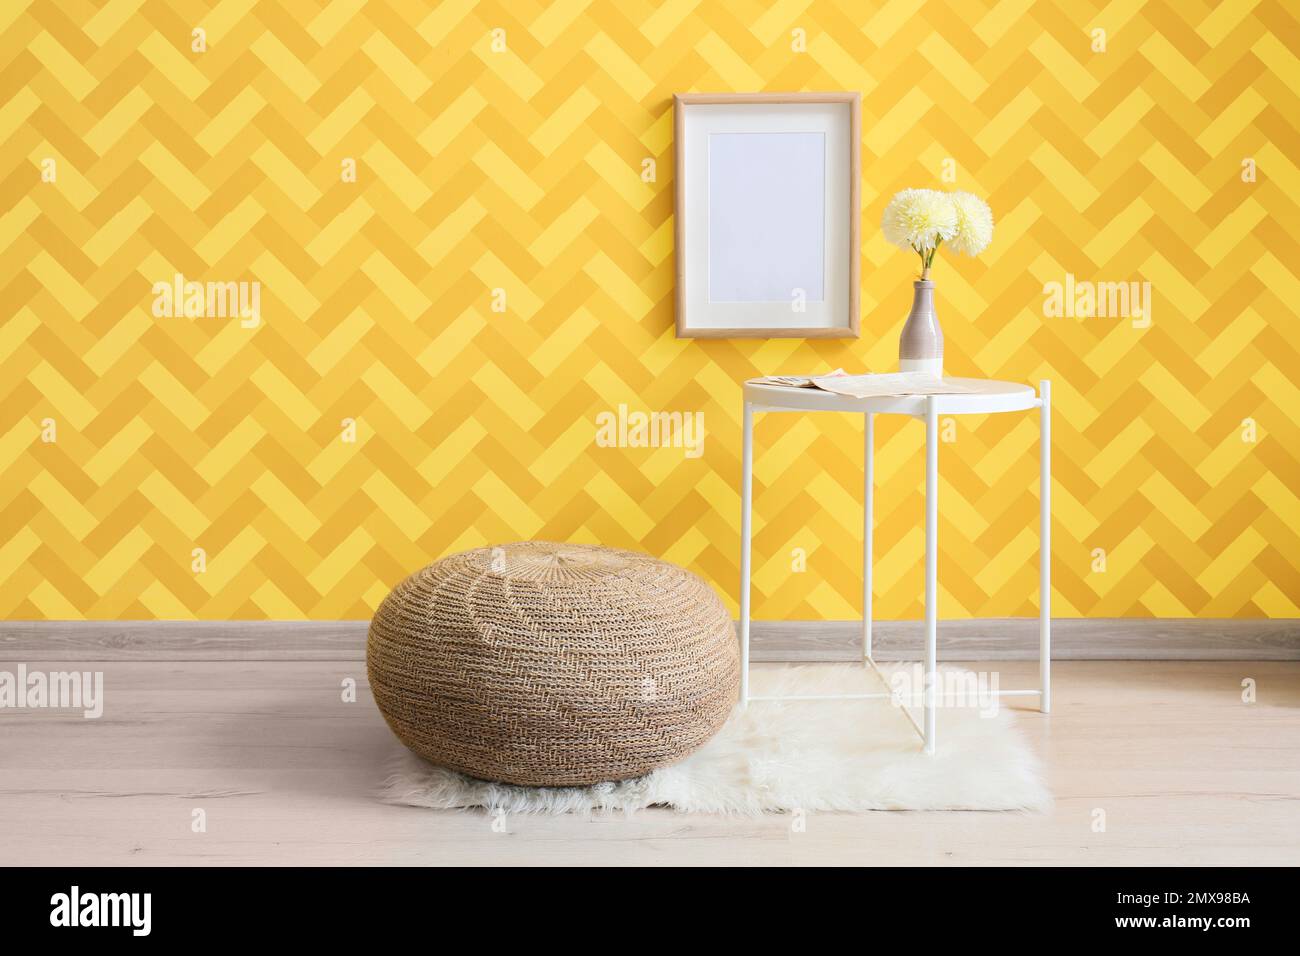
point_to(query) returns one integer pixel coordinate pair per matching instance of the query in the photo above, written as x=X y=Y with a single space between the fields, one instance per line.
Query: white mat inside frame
x=777 y=756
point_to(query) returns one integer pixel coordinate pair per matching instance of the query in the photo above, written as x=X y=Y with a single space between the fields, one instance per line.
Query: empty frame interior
x=767 y=217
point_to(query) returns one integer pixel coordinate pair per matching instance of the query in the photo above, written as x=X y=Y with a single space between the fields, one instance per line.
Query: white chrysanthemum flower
x=974 y=224
x=918 y=219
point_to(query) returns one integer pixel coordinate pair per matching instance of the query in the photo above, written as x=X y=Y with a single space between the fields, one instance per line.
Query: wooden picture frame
x=751 y=171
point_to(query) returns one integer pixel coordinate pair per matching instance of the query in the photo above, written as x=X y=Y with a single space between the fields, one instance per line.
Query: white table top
x=987 y=396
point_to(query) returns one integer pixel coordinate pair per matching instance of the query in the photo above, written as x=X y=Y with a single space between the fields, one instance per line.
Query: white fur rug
x=814 y=756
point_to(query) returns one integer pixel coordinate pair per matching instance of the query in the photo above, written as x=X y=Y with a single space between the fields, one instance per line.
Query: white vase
x=920 y=347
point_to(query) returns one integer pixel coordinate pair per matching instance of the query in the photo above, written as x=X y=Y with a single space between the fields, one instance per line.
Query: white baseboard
x=986 y=639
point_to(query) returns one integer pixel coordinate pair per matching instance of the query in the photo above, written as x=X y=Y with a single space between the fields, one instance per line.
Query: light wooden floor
x=1185 y=772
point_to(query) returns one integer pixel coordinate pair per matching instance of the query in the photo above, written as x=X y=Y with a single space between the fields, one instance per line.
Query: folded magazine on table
x=871 y=386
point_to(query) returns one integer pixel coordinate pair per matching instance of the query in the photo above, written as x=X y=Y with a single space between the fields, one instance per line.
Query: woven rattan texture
x=553 y=664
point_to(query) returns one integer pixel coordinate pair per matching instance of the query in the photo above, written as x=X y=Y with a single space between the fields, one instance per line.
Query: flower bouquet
x=922 y=220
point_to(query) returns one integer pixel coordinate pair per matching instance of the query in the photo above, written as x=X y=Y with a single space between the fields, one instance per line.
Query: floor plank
x=285 y=770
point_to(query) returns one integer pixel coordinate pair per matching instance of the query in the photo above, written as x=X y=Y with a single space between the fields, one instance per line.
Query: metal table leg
x=746 y=506
x=1045 y=547
x=931 y=565
x=868 y=492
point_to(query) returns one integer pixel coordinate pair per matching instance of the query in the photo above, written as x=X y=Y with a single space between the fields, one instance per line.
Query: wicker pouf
x=553 y=664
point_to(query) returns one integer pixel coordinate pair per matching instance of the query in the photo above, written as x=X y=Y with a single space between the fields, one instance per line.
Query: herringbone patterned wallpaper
x=513 y=160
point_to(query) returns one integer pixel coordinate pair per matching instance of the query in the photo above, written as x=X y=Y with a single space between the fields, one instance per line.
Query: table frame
x=765 y=398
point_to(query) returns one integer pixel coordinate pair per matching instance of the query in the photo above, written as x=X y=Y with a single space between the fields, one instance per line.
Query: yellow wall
x=520 y=170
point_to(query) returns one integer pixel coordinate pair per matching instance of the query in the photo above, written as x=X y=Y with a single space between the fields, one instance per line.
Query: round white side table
x=986 y=397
